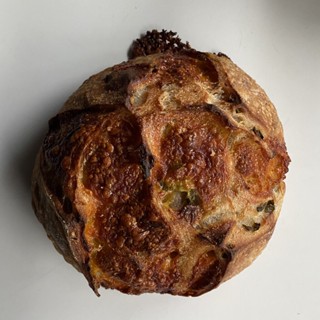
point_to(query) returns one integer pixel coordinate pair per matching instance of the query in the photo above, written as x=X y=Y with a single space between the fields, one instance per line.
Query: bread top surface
x=173 y=165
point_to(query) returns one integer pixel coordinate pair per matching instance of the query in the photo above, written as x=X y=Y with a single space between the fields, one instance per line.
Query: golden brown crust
x=162 y=174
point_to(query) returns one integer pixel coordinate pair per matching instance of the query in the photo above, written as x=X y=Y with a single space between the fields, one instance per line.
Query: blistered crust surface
x=163 y=174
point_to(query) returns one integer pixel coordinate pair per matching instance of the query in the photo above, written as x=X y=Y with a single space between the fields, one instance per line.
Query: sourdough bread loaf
x=163 y=173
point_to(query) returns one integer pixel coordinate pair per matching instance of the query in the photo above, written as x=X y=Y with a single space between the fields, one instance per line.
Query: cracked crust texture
x=162 y=174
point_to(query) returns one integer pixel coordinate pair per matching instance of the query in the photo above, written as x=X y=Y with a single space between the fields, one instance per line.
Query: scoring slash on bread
x=163 y=173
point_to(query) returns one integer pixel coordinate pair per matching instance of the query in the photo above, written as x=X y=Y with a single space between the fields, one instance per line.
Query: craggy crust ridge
x=163 y=173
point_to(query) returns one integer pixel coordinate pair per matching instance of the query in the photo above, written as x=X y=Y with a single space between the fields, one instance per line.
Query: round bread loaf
x=163 y=173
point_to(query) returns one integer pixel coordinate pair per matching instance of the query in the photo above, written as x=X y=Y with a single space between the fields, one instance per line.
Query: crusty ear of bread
x=162 y=174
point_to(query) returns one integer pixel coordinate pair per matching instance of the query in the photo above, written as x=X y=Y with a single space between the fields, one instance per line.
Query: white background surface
x=48 y=48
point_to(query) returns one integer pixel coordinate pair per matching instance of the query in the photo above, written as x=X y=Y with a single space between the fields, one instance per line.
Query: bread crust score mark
x=164 y=173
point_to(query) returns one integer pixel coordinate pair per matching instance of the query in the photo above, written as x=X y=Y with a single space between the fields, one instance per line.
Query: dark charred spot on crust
x=77 y=217
x=174 y=254
x=154 y=70
x=58 y=191
x=258 y=133
x=217 y=233
x=67 y=205
x=227 y=255
x=157 y=42
x=147 y=160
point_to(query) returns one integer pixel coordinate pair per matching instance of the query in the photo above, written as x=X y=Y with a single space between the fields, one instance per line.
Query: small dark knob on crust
x=157 y=42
